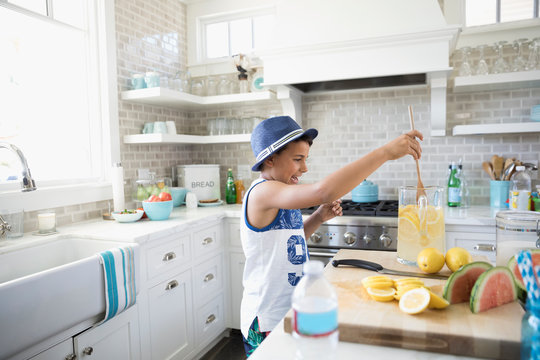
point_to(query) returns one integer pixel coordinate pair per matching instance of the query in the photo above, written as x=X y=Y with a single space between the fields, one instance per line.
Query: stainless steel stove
x=363 y=226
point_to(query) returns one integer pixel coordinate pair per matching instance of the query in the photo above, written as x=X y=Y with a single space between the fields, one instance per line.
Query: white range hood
x=321 y=45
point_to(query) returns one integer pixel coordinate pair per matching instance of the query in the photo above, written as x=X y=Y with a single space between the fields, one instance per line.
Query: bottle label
x=454 y=195
x=315 y=323
x=520 y=200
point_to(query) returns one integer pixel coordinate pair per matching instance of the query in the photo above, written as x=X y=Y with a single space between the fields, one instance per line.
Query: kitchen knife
x=368 y=265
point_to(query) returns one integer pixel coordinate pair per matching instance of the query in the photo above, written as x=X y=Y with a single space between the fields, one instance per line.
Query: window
x=484 y=12
x=50 y=89
x=225 y=37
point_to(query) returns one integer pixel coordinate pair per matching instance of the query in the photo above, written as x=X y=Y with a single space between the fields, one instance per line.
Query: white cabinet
x=478 y=240
x=237 y=262
x=183 y=292
x=61 y=351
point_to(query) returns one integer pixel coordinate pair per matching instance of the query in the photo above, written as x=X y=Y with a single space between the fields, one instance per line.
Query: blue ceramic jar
x=365 y=192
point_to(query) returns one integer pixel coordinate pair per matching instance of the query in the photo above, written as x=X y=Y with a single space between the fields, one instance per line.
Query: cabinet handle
x=208 y=277
x=484 y=247
x=70 y=357
x=171 y=285
x=210 y=318
x=207 y=241
x=169 y=256
x=88 y=350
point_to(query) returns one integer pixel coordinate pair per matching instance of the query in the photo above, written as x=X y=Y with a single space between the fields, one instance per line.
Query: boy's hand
x=405 y=144
x=330 y=210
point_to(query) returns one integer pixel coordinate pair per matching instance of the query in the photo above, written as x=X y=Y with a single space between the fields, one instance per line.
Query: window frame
x=205 y=20
x=52 y=195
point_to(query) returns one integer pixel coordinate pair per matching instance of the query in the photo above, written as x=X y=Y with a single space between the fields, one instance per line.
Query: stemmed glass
x=465 y=67
x=482 y=68
x=533 y=62
x=500 y=66
x=519 y=61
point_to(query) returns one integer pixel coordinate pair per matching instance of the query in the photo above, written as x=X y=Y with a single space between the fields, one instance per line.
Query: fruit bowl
x=130 y=216
x=178 y=195
x=158 y=210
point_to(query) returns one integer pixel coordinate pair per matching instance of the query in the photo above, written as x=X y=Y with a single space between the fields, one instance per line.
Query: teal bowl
x=159 y=210
x=178 y=195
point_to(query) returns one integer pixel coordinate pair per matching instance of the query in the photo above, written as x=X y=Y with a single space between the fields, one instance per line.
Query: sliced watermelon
x=493 y=288
x=513 y=266
x=459 y=285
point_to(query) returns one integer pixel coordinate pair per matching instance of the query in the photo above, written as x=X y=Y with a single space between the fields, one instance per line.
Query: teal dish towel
x=119 y=270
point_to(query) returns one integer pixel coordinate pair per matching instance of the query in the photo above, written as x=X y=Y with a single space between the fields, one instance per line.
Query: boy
x=272 y=231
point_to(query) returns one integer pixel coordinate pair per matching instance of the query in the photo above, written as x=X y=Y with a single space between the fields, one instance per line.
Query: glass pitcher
x=420 y=222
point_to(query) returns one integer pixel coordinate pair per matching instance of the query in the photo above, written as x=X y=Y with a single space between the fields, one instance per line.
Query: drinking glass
x=221 y=125
x=482 y=68
x=519 y=62
x=465 y=67
x=533 y=61
x=224 y=86
x=500 y=66
x=211 y=125
x=247 y=125
x=420 y=222
x=211 y=86
x=197 y=87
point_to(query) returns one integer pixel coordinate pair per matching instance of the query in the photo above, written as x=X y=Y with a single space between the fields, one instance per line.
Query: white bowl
x=127 y=218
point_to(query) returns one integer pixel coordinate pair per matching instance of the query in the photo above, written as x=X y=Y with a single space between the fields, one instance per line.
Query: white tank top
x=275 y=255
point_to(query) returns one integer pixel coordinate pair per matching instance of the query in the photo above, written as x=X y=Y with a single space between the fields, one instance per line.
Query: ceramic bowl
x=159 y=210
x=178 y=195
x=127 y=218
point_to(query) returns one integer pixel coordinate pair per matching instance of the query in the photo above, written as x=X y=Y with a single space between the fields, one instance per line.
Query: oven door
x=324 y=255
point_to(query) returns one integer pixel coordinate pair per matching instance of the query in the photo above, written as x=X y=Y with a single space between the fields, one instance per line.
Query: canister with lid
x=516 y=230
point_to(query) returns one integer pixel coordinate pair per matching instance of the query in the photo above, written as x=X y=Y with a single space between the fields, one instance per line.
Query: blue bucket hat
x=274 y=133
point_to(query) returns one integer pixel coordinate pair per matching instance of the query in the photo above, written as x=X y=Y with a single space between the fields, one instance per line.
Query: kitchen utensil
x=498 y=194
x=498 y=163
x=508 y=170
x=507 y=163
x=419 y=184
x=488 y=168
x=365 y=192
x=368 y=265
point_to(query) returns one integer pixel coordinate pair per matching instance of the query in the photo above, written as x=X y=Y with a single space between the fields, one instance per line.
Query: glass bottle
x=530 y=331
x=230 y=189
x=240 y=191
x=463 y=188
x=520 y=192
x=243 y=82
x=315 y=319
x=454 y=184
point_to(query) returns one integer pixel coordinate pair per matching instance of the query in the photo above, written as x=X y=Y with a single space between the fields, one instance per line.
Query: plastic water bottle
x=315 y=315
x=520 y=193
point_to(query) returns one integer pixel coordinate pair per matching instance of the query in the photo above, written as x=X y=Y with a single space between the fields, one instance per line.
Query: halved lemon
x=437 y=302
x=415 y=301
x=381 y=294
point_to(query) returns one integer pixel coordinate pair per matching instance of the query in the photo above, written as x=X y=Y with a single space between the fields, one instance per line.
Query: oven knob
x=315 y=238
x=350 y=238
x=367 y=238
x=385 y=240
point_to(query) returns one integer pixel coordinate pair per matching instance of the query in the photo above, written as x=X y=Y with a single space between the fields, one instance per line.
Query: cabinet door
x=479 y=244
x=171 y=318
x=233 y=233
x=208 y=279
x=118 y=338
x=237 y=262
x=62 y=351
x=209 y=321
x=206 y=241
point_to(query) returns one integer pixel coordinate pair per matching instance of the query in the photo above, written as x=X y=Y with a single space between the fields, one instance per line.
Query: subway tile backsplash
x=152 y=36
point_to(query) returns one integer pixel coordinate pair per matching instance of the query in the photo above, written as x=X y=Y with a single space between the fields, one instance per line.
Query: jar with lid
x=516 y=230
x=257 y=80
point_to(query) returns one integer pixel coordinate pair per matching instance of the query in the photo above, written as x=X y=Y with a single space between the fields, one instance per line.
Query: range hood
x=321 y=45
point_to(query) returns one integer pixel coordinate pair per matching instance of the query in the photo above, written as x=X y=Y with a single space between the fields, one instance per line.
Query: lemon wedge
x=381 y=294
x=437 y=302
x=415 y=301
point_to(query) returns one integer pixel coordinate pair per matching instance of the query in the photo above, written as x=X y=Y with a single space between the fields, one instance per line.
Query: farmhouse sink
x=50 y=287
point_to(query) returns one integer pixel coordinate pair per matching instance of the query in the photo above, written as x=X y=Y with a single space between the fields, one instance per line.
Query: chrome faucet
x=28 y=184
x=4 y=226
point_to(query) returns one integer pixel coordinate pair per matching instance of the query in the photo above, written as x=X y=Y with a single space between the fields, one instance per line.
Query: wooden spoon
x=507 y=163
x=489 y=169
x=498 y=163
x=419 y=185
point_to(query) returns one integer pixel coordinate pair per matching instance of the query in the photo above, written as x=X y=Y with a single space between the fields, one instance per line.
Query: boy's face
x=290 y=163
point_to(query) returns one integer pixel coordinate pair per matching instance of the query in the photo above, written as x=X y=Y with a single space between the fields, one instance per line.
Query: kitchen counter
x=474 y=215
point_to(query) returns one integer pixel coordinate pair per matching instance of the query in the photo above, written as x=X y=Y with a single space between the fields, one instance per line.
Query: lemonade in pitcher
x=420 y=222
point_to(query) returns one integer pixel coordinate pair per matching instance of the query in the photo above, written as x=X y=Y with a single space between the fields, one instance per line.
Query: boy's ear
x=269 y=161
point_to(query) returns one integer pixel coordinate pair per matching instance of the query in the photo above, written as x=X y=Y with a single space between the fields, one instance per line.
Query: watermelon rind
x=450 y=287
x=479 y=294
x=513 y=266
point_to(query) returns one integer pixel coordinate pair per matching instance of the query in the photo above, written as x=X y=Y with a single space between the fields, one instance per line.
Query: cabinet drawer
x=208 y=279
x=478 y=244
x=168 y=256
x=206 y=241
x=209 y=321
x=233 y=232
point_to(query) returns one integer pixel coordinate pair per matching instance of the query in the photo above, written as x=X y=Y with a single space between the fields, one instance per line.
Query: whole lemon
x=430 y=260
x=457 y=257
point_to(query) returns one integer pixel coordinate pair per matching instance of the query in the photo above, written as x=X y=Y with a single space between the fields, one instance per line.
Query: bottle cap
x=313 y=267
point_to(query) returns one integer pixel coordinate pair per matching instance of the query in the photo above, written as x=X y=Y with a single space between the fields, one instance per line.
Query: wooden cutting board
x=493 y=334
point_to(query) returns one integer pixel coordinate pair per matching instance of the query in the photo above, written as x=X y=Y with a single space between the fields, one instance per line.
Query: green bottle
x=230 y=189
x=454 y=185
